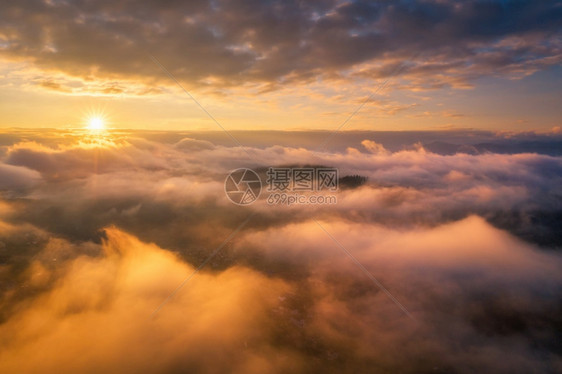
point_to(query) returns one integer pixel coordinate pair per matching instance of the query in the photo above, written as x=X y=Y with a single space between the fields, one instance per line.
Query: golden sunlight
x=96 y=124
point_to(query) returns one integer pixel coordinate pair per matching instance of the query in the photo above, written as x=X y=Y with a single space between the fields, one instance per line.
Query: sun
x=96 y=124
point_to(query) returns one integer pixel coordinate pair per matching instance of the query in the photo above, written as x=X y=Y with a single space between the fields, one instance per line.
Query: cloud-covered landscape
x=97 y=234
x=280 y=186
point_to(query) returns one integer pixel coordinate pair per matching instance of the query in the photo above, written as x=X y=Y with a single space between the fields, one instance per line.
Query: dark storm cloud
x=284 y=41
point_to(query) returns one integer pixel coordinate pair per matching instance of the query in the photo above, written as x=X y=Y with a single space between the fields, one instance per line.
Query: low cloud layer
x=305 y=309
x=97 y=231
x=98 y=312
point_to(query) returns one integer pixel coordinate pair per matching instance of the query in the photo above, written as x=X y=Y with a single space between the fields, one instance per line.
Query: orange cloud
x=97 y=316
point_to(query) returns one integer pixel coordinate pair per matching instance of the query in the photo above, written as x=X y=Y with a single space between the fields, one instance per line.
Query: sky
x=282 y=65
